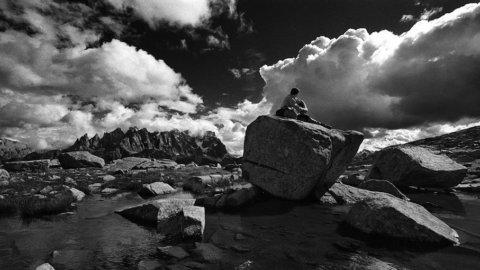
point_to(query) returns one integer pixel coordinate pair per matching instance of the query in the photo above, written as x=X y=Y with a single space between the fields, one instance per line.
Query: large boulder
x=416 y=166
x=388 y=216
x=80 y=159
x=291 y=159
x=32 y=165
x=11 y=149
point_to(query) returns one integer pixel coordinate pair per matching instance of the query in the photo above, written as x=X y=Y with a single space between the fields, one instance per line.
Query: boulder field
x=291 y=159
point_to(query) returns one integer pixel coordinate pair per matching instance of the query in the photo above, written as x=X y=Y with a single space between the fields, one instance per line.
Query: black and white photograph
x=239 y=134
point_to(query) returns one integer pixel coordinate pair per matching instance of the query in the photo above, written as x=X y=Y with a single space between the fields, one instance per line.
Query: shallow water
x=277 y=235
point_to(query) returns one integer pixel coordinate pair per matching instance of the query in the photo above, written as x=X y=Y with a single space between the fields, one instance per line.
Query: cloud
x=175 y=12
x=382 y=80
x=427 y=14
x=241 y=72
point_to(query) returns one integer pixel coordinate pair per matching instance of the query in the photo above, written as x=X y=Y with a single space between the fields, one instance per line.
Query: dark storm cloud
x=364 y=80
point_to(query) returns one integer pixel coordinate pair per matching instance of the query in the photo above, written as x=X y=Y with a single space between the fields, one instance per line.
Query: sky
x=397 y=70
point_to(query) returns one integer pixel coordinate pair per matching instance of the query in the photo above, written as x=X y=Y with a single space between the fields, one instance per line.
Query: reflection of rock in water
x=439 y=203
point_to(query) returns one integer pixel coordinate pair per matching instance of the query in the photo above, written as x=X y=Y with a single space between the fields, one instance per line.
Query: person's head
x=294 y=91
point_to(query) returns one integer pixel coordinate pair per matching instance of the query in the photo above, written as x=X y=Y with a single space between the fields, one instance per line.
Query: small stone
x=95 y=187
x=78 y=194
x=4 y=183
x=157 y=188
x=45 y=266
x=70 y=181
x=4 y=174
x=108 y=191
x=173 y=251
x=247 y=265
x=54 y=177
x=46 y=190
x=107 y=178
x=239 y=237
x=40 y=196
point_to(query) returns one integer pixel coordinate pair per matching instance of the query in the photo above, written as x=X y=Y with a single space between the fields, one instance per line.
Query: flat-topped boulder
x=80 y=159
x=291 y=159
x=390 y=217
x=408 y=165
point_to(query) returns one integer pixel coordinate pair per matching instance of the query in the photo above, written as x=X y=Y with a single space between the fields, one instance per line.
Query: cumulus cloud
x=425 y=15
x=382 y=80
x=174 y=12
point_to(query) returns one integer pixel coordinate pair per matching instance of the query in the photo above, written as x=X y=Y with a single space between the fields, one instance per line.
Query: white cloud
x=382 y=80
x=174 y=12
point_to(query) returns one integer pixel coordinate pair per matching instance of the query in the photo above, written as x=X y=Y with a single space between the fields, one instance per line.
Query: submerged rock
x=416 y=166
x=208 y=252
x=388 y=216
x=157 y=188
x=291 y=159
x=382 y=186
x=173 y=251
x=80 y=159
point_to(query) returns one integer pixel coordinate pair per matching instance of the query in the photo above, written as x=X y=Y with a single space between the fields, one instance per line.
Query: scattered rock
x=54 y=177
x=247 y=265
x=4 y=182
x=382 y=186
x=157 y=211
x=388 y=216
x=45 y=266
x=70 y=181
x=80 y=159
x=46 y=190
x=208 y=183
x=192 y=222
x=149 y=265
x=156 y=164
x=4 y=174
x=327 y=198
x=208 y=252
x=416 y=166
x=470 y=187
x=347 y=261
x=174 y=252
x=108 y=178
x=194 y=265
x=291 y=159
x=32 y=165
x=79 y=195
x=157 y=188
x=108 y=191
x=40 y=196
x=94 y=187
x=125 y=164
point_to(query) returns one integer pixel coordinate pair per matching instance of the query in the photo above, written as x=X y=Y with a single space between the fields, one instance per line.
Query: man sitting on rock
x=295 y=108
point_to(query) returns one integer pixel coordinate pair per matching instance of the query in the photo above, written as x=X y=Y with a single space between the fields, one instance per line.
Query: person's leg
x=308 y=119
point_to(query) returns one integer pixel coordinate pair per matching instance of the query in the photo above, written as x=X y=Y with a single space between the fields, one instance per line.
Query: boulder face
x=416 y=166
x=291 y=159
x=11 y=149
x=173 y=144
x=388 y=216
x=80 y=159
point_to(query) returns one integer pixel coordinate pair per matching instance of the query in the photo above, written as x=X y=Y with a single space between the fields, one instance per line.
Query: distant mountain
x=11 y=149
x=177 y=145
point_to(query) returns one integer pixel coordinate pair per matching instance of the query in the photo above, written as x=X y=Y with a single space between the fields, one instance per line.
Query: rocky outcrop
x=32 y=165
x=388 y=216
x=292 y=159
x=382 y=186
x=80 y=159
x=416 y=166
x=173 y=144
x=11 y=149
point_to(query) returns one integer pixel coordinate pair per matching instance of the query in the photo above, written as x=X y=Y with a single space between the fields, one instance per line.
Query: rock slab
x=416 y=166
x=382 y=186
x=80 y=159
x=157 y=188
x=291 y=159
x=388 y=216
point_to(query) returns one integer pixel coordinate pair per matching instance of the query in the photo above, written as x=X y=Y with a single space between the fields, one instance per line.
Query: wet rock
x=157 y=188
x=173 y=252
x=345 y=194
x=32 y=165
x=4 y=175
x=353 y=179
x=208 y=183
x=157 y=211
x=470 y=187
x=222 y=201
x=108 y=178
x=347 y=261
x=40 y=196
x=382 y=186
x=149 y=265
x=45 y=266
x=208 y=202
x=193 y=221
x=70 y=181
x=222 y=238
x=291 y=159
x=79 y=195
x=416 y=166
x=242 y=197
x=247 y=265
x=46 y=190
x=94 y=187
x=109 y=191
x=388 y=216
x=208 y=252
x=327 y=198
x=80 y=159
